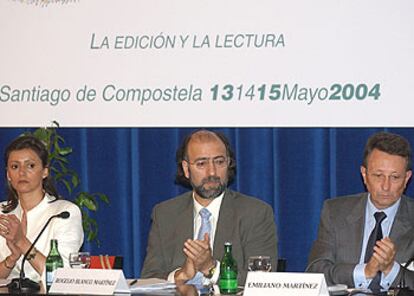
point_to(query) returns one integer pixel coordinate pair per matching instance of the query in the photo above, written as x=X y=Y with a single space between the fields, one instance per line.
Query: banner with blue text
x=269 y=63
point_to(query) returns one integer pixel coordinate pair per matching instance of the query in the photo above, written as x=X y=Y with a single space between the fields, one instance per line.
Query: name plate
x=89 y=281
x=285 y=284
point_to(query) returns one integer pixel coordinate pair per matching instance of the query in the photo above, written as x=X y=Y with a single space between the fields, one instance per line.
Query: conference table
x=181 y=290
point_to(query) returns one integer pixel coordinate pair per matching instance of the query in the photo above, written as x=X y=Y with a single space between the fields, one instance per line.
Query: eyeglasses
x=202 y=163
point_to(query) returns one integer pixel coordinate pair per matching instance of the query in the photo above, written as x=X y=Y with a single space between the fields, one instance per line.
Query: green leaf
x=103 y=197
x=42 y=134
x=61 y=159
x=67 y=185
x=61 y=172
x=92 y=235
x=65 y=151
x=90 y=204
x=75 y=180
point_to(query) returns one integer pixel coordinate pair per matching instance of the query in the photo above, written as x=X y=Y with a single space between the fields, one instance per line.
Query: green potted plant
x=63 y=174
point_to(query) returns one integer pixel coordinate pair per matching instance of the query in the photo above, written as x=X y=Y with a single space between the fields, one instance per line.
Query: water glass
x=79 y=260
x=260 y=263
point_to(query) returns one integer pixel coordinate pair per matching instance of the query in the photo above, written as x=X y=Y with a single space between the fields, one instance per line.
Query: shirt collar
x=390 y=211
x=213 y=207
x=39 y=208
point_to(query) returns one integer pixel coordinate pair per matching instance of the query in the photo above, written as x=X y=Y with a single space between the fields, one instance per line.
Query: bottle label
x=50 y=275
x=228 y=284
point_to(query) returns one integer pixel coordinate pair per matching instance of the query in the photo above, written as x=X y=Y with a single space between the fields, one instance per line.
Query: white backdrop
x=207 y=63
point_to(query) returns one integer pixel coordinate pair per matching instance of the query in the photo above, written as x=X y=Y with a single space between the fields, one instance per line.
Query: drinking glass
x=260 y=263
x=79 y=260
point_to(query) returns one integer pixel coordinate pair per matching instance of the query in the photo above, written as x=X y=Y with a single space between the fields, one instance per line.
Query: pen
x=133 y=282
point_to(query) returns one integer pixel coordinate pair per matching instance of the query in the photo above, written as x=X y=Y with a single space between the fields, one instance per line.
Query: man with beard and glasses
x=185 y=244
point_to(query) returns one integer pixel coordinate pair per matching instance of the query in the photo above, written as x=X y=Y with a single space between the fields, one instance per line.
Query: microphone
x=403 y=289
x=23 y=284
x=63 y=215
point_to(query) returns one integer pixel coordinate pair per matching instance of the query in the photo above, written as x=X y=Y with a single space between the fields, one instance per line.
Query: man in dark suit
x=363 y=238
x=179 y=249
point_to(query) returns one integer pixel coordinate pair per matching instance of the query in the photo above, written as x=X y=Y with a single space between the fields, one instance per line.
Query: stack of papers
x=152 y=286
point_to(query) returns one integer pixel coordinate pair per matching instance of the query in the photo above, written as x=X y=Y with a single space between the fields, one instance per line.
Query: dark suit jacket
x=338 y=247
x=246 y=222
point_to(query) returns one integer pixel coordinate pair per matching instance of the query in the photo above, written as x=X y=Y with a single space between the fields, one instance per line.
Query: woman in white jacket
x=31 y=201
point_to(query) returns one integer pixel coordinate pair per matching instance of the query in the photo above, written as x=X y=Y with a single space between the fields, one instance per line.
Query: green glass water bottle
x=53 y=262
x=228 y=272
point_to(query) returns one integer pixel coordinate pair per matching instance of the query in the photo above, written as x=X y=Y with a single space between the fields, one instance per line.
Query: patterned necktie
x=375 y=235
x=205 y=227
x=205 y=223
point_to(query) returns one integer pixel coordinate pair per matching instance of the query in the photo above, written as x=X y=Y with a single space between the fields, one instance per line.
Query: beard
x=210 y=192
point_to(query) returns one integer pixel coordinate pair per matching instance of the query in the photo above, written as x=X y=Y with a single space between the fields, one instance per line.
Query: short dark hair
x=389 y=143
x=182 y=151
x=37 y=146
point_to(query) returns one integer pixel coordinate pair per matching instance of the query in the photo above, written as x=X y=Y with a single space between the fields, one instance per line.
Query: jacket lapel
x=184 y=228
x=402 y=226
x=354 y=231
x=225 y=224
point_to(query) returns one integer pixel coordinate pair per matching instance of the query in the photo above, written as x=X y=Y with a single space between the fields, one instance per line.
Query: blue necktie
x=205 y=223
x=205 y=227
x=375 y=235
